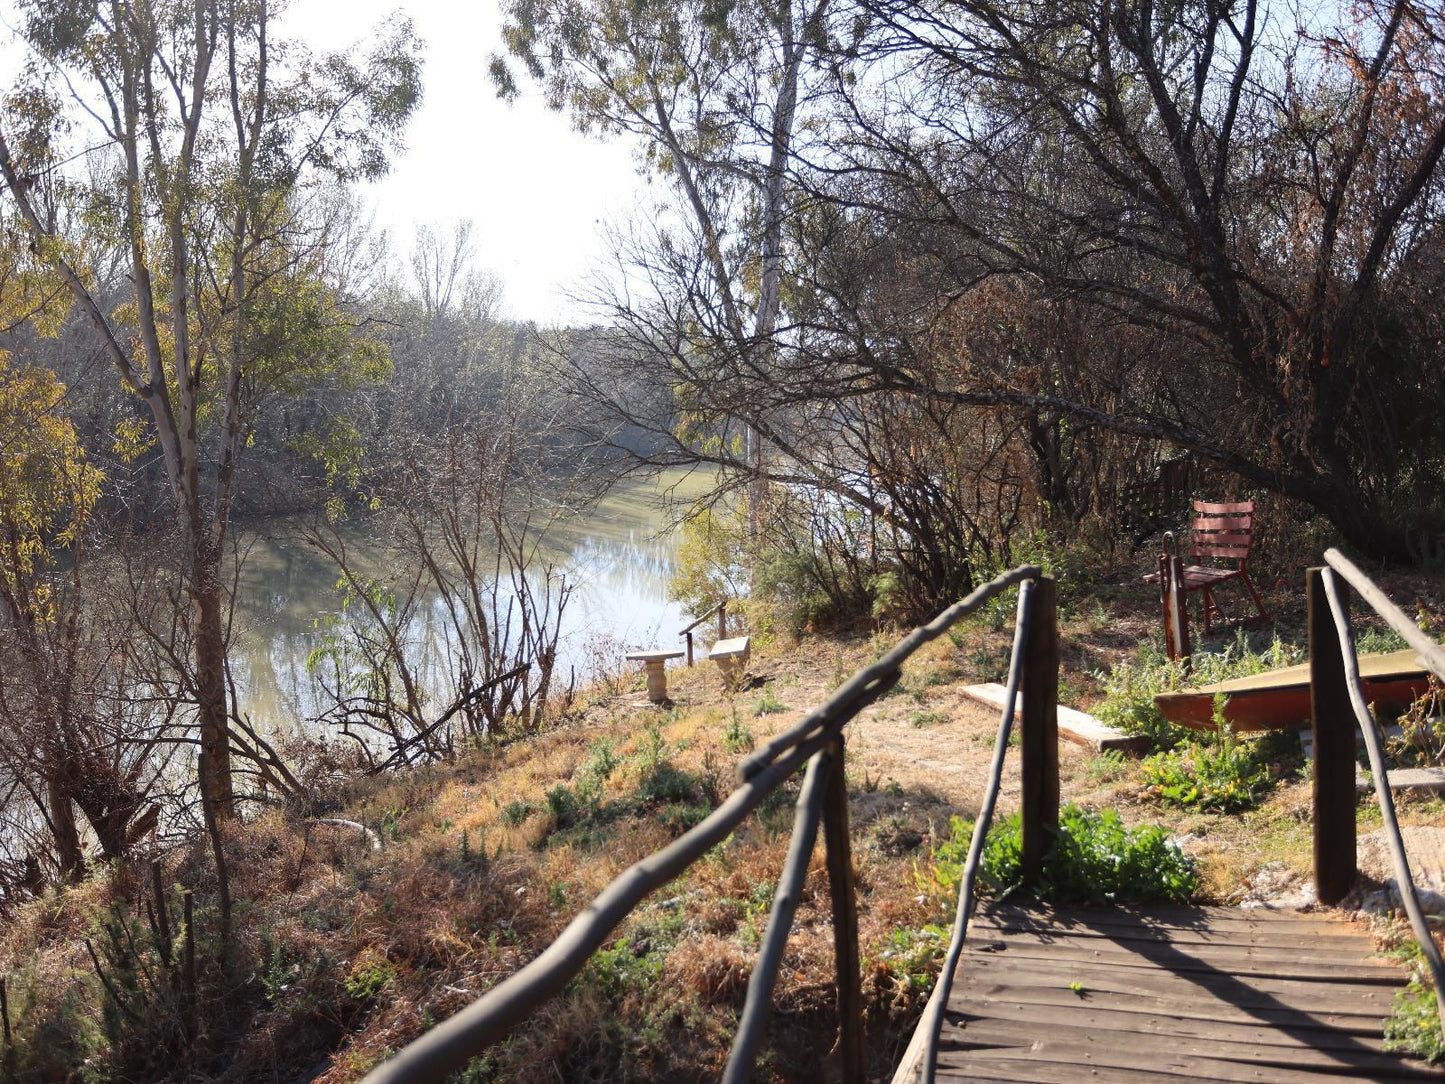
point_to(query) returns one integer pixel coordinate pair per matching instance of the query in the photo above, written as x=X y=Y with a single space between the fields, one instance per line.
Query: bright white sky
x=537 y=191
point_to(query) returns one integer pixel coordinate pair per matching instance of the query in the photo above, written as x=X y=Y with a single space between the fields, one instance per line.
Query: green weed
x=738 y=738
x=517 y=811
x=1108 y=767
x=768 y=704
x=1414 y=1023
x=924 y=719
x=366 y=980
x=1220 y=776
x=1130 y=687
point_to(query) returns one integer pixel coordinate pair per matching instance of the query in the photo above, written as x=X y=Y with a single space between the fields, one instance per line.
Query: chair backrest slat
x=1224 y=530
x=1223 y=523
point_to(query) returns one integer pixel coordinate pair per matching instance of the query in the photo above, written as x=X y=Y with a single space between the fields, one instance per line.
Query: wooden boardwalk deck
x=1169 y=994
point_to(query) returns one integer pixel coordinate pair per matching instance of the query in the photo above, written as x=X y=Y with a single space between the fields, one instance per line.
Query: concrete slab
x=1074 y=725
x=1400 y=778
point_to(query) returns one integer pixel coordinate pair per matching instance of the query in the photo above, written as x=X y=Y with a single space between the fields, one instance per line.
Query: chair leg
x=1210 y=608
x=1263 y=617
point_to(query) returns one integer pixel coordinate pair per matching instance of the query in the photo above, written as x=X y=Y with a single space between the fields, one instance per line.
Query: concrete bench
x=731 y=656
x=654 y=662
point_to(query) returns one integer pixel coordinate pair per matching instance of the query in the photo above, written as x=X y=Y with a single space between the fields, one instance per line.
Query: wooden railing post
x=845 y=921
x=1039 y=739
x=688 y=634
x=722 y=620
x=1332 y=724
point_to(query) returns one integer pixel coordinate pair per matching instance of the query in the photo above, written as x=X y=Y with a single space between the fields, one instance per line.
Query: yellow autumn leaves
x=47 y=486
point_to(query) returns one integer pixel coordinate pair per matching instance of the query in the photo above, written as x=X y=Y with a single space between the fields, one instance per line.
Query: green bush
x=566 y=810
x=1129 y=691
x=516 y=811
x=623 y=968
x=1095 y=859
x=944 y=873
x=666 y=783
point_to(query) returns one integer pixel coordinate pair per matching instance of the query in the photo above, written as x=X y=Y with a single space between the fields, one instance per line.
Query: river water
x=616 y=553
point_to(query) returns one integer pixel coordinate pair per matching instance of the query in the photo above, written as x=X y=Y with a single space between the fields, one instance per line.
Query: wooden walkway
x=1169 y=994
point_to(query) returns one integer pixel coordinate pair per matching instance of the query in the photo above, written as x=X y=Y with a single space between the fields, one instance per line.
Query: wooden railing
x=1338 y=707
x=817 y=742
x=721 y=609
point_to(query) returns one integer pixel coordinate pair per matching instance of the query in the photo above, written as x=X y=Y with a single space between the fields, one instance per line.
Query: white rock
x=1424 y=847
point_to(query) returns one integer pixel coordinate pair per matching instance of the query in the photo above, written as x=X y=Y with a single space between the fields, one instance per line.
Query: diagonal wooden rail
x=1208 y=994
x=1199 y=993
x=814 y=742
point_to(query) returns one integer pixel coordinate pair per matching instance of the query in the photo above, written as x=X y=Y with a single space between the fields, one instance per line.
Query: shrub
x=1421 y=742
x=1095 y=859
x=516 y=811
x=738 y=738
x=768 y=704
x=997 y=870
x=1129 y=690
x=566 y=810
x=666 y=783
x=1222 y=775
x=623 y=968
x=923 y=719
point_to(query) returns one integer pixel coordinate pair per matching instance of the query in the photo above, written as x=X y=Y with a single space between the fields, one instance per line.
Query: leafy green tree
x=217 y=136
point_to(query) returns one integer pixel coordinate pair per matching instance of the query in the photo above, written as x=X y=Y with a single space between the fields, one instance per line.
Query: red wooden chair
x=1222 y=533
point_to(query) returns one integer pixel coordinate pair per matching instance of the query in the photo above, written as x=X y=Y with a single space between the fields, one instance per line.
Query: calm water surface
x=616 y=553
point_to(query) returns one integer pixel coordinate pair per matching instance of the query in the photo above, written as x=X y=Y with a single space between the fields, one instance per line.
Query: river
x=616 y=553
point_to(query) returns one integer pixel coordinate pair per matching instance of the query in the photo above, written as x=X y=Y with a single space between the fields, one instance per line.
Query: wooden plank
x=1174 y=917
x=1224 y=508
x=1169 y=994
x=977 y=972
x=1091 y=1067
x=1043 y=987
x=1263 y=932
x=1295 y=940
x=1243 y=962
x=1003 y=1040
x=1100 y=1013
x=1078 y=727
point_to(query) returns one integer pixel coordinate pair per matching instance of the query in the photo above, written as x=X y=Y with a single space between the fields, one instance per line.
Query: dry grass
x=343 y=954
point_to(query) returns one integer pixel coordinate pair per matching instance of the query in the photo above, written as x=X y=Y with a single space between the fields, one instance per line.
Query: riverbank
x=349 y=944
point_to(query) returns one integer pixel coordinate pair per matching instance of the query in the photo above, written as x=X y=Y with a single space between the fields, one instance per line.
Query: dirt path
x=932 y=742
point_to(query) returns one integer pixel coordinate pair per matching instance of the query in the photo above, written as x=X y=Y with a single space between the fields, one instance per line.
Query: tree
x=1261 y=199
x=216 y=132
x=717 y=95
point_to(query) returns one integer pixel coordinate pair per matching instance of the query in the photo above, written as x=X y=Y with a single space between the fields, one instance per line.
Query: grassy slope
x=344 y=954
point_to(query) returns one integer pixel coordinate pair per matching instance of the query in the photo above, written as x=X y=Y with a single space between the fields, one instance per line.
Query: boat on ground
x=1278 y=699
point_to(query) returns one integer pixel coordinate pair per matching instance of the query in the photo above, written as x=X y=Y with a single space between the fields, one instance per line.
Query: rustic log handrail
x=815 y=741
x=1334 y=670
x=721 y=610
